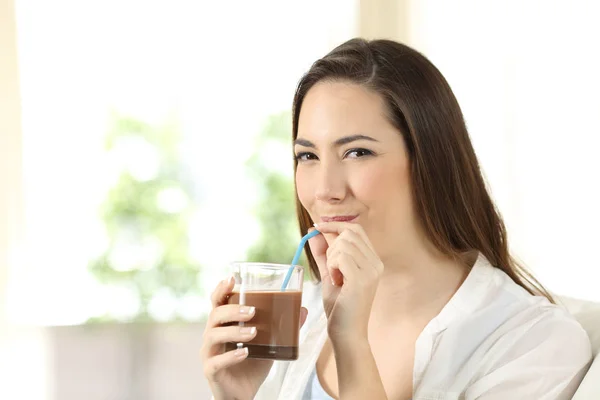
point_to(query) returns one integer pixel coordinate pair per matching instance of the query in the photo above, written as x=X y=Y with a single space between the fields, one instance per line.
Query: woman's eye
x=357 y=153
x=305 y=156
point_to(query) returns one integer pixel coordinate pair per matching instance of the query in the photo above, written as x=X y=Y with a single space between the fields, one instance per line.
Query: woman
x=418 y=297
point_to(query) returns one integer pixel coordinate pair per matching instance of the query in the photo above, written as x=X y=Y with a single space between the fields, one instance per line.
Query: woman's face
x=353 y=164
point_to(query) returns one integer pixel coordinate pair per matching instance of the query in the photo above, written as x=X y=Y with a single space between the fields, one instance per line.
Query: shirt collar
x=469 y=296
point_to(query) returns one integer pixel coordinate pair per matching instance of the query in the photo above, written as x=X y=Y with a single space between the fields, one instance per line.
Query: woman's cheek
x=303 y=188
x=369 y=183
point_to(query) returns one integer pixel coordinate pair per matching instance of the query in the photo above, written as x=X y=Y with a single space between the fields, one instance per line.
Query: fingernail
x=247 y=310
x=241 y=352
x=231 y=280
x=248 y=330
x=315 y=225
x=332 y=282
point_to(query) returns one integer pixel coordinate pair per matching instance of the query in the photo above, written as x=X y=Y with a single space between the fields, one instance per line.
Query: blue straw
x=297 y=257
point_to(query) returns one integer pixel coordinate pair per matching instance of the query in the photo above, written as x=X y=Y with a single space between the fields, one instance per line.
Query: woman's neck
x=416 y=286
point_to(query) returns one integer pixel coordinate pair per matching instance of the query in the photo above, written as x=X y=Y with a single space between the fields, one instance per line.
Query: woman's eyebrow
x=339 y=142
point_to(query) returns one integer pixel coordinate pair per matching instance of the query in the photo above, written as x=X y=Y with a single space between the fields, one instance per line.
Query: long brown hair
x=451 y=198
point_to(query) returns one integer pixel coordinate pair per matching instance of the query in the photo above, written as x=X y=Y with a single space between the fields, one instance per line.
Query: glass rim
x=263 y=265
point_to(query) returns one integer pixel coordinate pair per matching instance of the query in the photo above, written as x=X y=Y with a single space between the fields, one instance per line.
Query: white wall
x=22 y=350
x=526 y=75
x=221 y=68
x=10 y=151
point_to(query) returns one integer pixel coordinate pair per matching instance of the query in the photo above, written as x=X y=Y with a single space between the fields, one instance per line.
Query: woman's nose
x=331 y=184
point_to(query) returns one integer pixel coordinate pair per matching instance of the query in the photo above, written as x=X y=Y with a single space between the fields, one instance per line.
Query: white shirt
x=492 y=340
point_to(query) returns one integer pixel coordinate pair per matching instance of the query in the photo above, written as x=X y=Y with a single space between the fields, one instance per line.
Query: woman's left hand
x=350 y=271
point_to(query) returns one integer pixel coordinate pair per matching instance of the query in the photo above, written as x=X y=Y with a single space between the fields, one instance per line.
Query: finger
x=213 y=365
x=303 y=316
x=214 y=338
x=352 y=239
x=346 y=265
x=230 y=313
x=332 y=275
x=318 y=247
x=351 y=249
x=223 y=289
x=339 y=227
x=318 y=244
x=369 y=264
x=350 y=242
x=336 y=277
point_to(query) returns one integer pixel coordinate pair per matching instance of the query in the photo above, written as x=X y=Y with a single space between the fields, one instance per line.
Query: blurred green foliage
x=146 y=214
x=276 y=207
x=147 y=210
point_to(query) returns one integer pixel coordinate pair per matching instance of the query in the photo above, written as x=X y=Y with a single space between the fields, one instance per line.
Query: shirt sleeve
x=548 y=362
x=271 y=387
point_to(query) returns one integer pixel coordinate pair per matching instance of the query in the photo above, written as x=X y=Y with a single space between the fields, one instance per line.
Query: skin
x=383 y=281
x=231 y=375
x=388 y=280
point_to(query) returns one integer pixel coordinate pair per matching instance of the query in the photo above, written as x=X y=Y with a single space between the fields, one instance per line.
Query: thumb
x=318 y=244
x=303 y=316
x=318 y=247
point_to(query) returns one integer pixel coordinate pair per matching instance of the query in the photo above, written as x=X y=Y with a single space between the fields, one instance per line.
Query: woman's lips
x=339 y=218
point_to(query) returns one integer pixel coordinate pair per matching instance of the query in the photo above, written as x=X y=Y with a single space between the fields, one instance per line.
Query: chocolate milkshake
x=277 y=321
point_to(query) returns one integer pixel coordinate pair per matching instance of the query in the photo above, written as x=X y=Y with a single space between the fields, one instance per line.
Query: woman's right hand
x=230 y=374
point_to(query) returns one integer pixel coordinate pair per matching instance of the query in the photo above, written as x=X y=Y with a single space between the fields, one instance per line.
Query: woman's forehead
x=333 y=110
